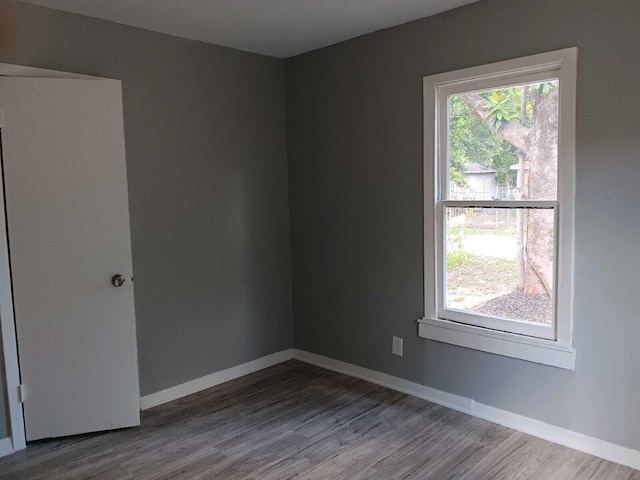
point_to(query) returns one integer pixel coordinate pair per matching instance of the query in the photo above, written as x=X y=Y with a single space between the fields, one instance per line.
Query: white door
x=68 y=227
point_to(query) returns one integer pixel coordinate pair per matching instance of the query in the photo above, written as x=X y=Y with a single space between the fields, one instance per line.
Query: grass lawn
x=479 y=278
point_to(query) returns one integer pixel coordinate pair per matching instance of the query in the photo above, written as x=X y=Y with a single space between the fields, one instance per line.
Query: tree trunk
x=542 y=154
x=521 y=195
x=539 y=145
x=522 y=275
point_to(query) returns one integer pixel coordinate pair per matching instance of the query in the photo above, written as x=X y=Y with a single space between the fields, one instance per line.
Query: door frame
x=7 y=319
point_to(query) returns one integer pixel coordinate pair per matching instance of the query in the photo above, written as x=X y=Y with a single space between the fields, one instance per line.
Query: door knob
x=117 y=280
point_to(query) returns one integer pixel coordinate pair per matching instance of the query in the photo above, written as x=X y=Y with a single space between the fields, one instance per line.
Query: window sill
x=546 y=352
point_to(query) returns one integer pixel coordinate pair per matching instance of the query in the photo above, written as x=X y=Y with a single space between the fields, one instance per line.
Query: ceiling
x=279 y=28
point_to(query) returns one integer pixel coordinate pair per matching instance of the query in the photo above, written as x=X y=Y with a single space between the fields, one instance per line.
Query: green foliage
x=498 y=108
x=456 y=254
x=503 y=158
x=457 y=258
x=455 y=174
x=544 y=87
x=472 y=141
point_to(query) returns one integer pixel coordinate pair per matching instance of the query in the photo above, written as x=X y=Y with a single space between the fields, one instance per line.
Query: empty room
x=319 y=239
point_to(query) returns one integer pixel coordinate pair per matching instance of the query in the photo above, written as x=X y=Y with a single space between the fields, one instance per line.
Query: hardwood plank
x=346 y=465
x=544 y=463
x=337 y=438
x=596 y=469
x=458 y=459
x=626 y=473
x=111 y=474
x=488 y=434
x=427 y=446
x=295 y=421
x=164 y=458
x=567 y=466
x=299 y=409
x=394 y=434
x=509 y=459
x=346 y=411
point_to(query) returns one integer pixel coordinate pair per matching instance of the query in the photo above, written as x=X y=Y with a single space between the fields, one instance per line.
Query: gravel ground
x=530 y=308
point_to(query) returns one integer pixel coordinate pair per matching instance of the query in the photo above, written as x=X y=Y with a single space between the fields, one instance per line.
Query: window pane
x=485 y=274
x=503 y=143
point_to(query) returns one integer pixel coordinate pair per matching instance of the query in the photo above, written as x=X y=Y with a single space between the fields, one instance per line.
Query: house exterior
x=481 y=183
x=481 y=179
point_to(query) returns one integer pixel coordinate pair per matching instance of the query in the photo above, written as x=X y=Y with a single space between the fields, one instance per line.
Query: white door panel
x=68 y=227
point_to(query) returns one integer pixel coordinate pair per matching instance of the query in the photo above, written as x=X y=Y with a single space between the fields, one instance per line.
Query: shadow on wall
x=6 y=29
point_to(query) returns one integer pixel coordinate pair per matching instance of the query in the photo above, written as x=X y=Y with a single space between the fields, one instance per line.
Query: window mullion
x=532 y=204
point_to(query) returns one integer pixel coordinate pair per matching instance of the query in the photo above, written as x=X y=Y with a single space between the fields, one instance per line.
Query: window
x=499 y=193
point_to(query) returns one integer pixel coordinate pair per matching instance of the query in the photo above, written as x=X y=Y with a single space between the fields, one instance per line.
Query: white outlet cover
x=396 y=346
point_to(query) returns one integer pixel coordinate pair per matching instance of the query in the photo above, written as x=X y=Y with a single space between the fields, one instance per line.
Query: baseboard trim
x=6 y=447
x=213 y=379
x=568 y=438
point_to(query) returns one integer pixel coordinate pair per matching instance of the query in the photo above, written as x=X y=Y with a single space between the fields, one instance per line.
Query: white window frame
x=550 y=346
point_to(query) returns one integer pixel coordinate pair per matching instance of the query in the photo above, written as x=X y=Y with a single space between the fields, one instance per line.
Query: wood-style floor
x=298 y=421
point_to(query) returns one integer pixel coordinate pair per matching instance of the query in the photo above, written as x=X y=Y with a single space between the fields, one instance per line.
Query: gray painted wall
x=206 y=162
x=354 y=129
x=4 y=411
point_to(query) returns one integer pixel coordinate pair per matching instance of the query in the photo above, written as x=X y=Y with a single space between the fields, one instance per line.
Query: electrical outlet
x=396 y=346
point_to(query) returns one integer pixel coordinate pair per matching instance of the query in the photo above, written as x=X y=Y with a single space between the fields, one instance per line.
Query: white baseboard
x=6 y=447
x=584 y=443
x=213 y=379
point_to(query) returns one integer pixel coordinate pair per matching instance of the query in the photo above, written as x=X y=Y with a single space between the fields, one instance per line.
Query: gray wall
x=4 y=412
x=354 y=129
x=206 y=162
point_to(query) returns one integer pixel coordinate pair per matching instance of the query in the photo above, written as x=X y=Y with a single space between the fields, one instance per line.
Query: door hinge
x=21 y=393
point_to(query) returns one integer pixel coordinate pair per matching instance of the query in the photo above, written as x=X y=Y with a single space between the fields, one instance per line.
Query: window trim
x=557 y=351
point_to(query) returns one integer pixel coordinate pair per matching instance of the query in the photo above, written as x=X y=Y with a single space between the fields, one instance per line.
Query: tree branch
x=513 y=131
